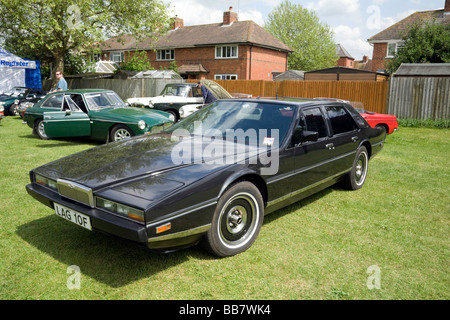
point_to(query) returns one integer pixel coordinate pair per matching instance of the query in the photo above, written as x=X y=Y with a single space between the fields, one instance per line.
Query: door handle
x=330 y=146
x=355 y=138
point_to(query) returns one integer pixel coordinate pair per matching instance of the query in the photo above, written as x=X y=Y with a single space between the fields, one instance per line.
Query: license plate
x=73 y=216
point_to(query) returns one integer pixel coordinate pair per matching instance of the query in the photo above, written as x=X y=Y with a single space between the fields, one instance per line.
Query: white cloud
x=333 y=7
x=342 y=32
x=196 y=12
x=253 y=15
x=350 y=39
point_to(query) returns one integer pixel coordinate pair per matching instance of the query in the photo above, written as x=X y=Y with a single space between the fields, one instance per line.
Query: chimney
x=177 y=23
x=447 y=7
x=365 y=59
x=229 y=17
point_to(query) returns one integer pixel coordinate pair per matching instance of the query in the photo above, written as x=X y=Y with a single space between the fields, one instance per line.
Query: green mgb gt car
x=98 y=114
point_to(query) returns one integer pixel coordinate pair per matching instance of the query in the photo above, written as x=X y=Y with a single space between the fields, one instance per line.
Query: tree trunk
x=58 y=65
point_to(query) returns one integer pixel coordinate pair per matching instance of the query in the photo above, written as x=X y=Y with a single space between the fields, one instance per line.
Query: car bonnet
x=139 y=157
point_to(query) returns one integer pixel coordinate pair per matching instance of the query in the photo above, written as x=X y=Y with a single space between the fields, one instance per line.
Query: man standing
x=208 y=97
x=62 y=83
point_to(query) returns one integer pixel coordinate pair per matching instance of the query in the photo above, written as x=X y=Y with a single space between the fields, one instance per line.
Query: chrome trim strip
x=115 y=122
x=294 y=193
x=181 y=213
x=298 y=171
x=65 y=120
x=181 y=234
x=378 y=143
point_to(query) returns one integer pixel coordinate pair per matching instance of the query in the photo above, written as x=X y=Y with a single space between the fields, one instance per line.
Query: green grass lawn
x=319 y=248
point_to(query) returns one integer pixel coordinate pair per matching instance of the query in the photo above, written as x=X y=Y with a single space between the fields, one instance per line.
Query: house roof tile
x=342 y=52
x=398 y=30
x=239 y=32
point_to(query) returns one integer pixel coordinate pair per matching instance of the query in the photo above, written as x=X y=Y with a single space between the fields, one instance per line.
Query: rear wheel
x=40 y=130
x=357 y=176
x=237 y=220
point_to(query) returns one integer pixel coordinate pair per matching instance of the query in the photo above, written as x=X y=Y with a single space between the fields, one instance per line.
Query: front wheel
x=120 y=132
x=236 y=222
x=13 y=110
x=355 y=179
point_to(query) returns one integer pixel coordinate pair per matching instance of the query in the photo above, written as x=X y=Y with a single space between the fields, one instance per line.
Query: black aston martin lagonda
x=212 y=177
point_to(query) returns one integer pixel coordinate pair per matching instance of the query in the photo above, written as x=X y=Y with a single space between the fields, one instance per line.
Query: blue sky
x=353 y=21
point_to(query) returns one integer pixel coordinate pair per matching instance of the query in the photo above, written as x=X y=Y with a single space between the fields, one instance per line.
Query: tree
x=139 y=62
x=61 y=26
x=423 y=43
x=312 y=41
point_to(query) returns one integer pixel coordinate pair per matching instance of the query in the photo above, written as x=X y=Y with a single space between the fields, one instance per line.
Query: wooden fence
x=373 y=95
x=125 y=88
x=420 y=97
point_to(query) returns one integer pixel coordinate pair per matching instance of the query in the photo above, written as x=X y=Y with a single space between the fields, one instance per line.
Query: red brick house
x=230 y=49
x=386 y=43
x=345 y=59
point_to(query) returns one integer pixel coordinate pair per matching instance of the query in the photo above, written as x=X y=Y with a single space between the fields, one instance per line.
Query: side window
x=78 y=99
x=69 y=104
x=54 y=102
x=314 y=121
x=341 y=120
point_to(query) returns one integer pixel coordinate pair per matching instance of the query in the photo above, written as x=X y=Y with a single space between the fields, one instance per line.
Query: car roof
x=182 y=84
x=81 y=91
x=291 y=101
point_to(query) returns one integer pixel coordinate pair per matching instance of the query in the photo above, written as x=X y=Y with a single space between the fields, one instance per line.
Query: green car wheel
x=121 y=132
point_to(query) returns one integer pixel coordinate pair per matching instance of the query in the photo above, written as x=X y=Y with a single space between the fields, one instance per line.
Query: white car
x=171 y=99
x=180 y=99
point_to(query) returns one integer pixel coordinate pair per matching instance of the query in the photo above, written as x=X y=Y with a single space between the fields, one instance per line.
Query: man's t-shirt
x=62 y=84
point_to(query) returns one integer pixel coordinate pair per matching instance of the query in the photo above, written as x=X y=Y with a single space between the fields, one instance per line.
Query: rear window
x=341 y=121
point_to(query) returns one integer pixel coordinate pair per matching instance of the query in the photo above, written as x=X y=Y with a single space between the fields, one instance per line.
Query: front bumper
x=100 y=220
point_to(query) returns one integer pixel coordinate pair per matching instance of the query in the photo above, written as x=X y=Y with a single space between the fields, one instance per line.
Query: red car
x=386 y=121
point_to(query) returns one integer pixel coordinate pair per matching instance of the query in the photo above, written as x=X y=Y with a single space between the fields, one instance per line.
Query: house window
x=225 y=77
x=95 y=57
x=226 y=52
x=165 y=54
x=393 y=48
x=116 y=56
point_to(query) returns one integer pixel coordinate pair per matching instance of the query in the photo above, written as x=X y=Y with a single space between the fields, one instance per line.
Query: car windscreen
x=234 y=118
x=181 y=91
x=18 y=92
x=100 y=100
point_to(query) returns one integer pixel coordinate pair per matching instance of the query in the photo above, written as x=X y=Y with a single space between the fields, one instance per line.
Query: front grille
x=76 y=192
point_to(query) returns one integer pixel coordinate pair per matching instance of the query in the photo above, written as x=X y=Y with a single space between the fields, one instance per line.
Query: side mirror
x=68 y=112
x=310 y=136
x=301 y=136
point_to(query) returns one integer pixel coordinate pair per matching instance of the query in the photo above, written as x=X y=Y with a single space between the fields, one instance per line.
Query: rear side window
x=54 y=102
x=314 y=121
x=341 y=120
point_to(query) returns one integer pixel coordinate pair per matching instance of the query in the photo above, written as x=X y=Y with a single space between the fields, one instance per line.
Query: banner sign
x=9 y=60
x=17 y=64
